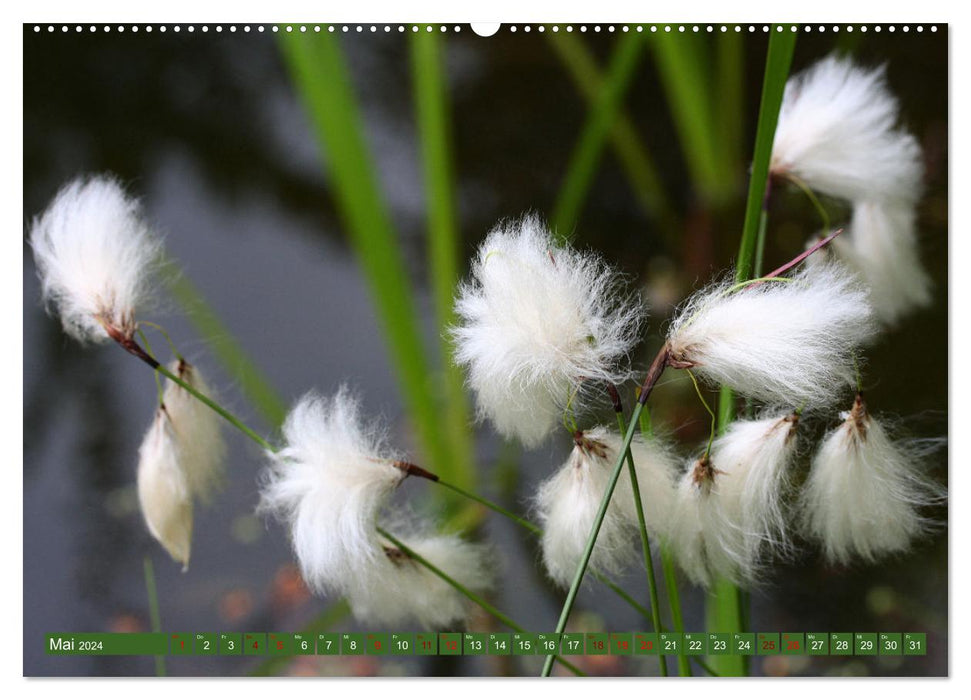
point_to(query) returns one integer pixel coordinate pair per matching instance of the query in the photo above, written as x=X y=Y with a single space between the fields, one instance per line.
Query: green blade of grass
x=729 y=92
x=633 y=156
x=432 y=112
x=724 y=608
x=225 y=348
x=586 y=153
x=316 y=64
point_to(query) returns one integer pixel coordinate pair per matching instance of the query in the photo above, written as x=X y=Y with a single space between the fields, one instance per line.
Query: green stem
x=645 y=542
x=153 y=614
x=474 y=597
x=536 y=530
x=653 y=375
x=724 y=607
x=434 y=129
x=229 y=417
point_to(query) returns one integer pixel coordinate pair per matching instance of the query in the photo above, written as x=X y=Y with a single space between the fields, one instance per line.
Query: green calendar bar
x=489 y=644
x=106 y=644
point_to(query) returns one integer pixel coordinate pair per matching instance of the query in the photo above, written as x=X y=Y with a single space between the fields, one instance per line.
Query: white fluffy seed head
x=198 y=432
x=163 y=491
x=537 y=320
x=865 y=492
x=568 y=502
x=394 y=589
x=881 y=246
x=838 y=132
x=328 y=483
x=94 y=256
x=691 y=521
x=747 y=494
x=781 y=342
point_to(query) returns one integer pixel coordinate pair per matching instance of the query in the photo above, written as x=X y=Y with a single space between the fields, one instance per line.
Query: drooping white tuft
x=865 y=491
x=691 y=522
x=198 y=432
x=537 y=319
x=781 y=342
x=568 y=503
x=395 y=589
x=838 y=132
x=328 y=483
x=163 y=491
x=94 y=256
x=881 y=245
x=751 y=479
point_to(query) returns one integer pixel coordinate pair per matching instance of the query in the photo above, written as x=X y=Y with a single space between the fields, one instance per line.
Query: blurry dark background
x=207 y=129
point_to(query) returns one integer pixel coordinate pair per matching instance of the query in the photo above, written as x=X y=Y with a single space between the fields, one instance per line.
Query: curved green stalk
x=645 y=542
x=477 y=599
